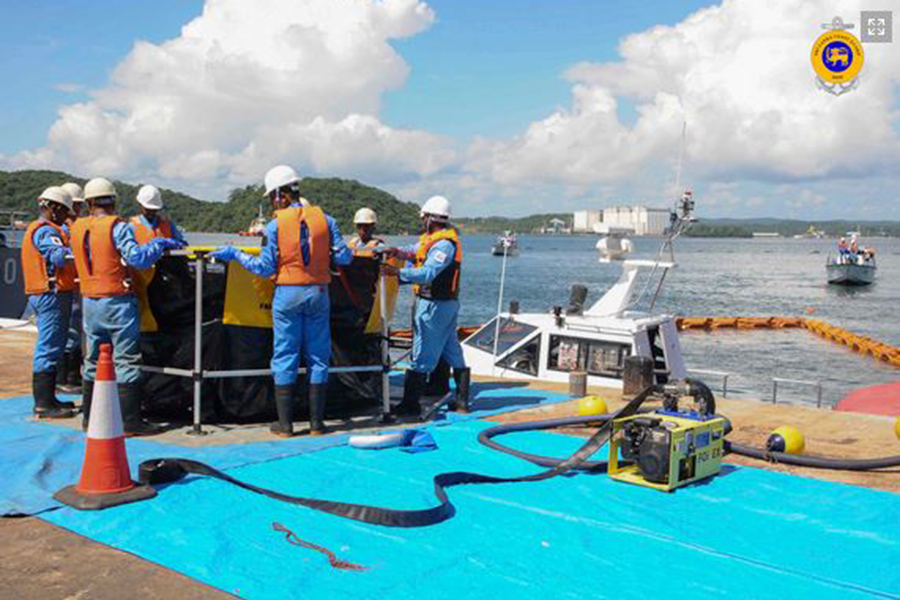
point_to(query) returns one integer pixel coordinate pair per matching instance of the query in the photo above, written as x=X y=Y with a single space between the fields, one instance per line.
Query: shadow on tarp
x=38 y=458
x=752 y=534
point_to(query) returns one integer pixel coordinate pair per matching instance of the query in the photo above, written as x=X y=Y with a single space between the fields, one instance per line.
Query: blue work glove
x=225 y=254
x=168 y=243
x=417 y=440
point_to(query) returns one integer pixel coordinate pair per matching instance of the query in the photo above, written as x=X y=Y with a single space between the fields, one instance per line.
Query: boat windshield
x=511 y=333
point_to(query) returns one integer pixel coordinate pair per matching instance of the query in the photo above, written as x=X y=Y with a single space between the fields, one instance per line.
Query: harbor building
x=643 y=220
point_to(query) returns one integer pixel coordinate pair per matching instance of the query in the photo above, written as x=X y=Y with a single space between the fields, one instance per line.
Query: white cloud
x=247 y=85
x=740 y=75
x=69 y=88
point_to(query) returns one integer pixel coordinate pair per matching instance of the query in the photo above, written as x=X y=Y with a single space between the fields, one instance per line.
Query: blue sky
x=509 y=73
x=480 y=101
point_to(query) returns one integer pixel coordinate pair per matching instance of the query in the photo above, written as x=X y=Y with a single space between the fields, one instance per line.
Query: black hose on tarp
x=169 y=470
x=815 y=462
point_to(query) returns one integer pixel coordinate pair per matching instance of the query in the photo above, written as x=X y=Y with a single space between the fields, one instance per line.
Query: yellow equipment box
x=665 y=450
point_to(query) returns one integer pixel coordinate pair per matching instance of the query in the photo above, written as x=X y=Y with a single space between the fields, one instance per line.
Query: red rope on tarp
x=333 y=560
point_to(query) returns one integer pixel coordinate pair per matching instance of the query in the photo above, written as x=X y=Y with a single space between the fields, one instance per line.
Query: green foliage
x=530 y=224
x=338 y=197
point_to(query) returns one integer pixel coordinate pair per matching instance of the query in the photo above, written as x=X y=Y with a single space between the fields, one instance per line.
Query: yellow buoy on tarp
x=897 y=427
x=592 y=405
x=787 y=439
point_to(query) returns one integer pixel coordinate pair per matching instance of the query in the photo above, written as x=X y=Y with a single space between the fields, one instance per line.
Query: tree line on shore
x=338 y=197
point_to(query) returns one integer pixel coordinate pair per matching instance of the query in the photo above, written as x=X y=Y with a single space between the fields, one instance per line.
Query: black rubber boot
x=130 y=395
x=284 y=404
x=87 y=394
x=63 y=374
x=74 y=377
x=46 y=406
x=318 y=393
x=413 y=386
x=438 y=380
x=461 y=401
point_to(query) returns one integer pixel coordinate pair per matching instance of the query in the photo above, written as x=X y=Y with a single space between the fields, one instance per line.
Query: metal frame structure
x=197 y=374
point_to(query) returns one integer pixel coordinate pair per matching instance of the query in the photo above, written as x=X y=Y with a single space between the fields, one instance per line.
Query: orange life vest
x=144 y=234
x=34 y=265
x=291 y=268
x=101 y=271
x=446 y=285
x=142 y=279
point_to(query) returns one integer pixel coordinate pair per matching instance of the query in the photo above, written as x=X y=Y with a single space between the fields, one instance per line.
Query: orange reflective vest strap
x=34 y=265
x=144 y=234
x=365 y=250
x=101 y=271
x=446 y=285
x=291 y=268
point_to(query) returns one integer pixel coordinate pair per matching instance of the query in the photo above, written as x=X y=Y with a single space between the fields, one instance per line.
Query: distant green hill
x=338 y=197
x=790 y=227
x=530 y=224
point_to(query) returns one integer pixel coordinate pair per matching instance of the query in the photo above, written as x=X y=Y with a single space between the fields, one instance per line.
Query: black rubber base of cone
x=71 y=497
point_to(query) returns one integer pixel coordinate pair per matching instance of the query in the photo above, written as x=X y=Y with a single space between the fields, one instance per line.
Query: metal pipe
x=385 y=348
x=167 y=371
x=198 y=344
x=499 y=309
x=301 y=370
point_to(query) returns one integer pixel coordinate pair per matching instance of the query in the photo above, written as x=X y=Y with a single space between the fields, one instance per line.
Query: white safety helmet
x=437 y=207
x=279 y=177
x=56 y=194
x=150 y=198
x=99 y=188
x=365 y=216
x=74 y=190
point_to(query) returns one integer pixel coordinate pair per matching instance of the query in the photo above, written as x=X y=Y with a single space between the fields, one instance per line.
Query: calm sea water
x=727 y=277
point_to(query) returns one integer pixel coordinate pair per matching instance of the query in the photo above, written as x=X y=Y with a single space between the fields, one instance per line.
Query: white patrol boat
x=596 y=341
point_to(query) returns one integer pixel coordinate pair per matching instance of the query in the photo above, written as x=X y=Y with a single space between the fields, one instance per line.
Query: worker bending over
x=49 y=278
x=300 y=243
x=104 y=246
x=435 y=277
x=151 y=223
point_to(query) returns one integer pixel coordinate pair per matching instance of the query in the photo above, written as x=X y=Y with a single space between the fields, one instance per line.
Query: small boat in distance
x=851 y=269
x=257 y=226
x=506 y=244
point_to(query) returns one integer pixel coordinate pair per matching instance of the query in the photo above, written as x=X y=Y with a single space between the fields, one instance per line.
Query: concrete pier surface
x=44 y=561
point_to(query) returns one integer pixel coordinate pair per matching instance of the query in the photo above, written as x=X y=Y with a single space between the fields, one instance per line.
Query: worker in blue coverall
x=49 y=278
x=437 y=261
x=104 y=246
x=68 y=376
x=301 y=243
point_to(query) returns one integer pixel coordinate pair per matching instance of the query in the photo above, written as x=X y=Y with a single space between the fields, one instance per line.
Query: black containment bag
x=236 y=347
x=171 y=299
x=352 y=294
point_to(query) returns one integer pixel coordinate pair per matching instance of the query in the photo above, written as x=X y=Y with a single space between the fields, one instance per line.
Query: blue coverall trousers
x=113 y=320
x=434 y=335
x=52 y=311
x=300 y=317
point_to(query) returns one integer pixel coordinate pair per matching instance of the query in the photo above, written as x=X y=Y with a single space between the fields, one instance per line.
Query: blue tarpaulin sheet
x=748 y=533
x=39 y=458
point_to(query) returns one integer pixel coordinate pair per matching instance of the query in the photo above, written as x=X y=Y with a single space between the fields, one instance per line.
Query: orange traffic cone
x=105 y=477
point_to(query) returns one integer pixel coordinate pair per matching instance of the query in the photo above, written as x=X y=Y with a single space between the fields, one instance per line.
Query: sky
x=507 y=107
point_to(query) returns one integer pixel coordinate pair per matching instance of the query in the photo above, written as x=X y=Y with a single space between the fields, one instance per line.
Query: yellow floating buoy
x=592 y=405
x=897 y=427
x=787 y=439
